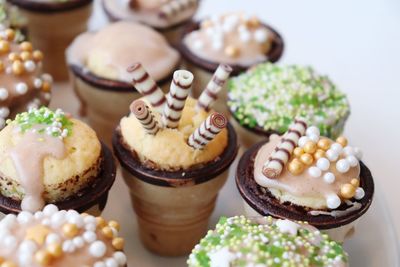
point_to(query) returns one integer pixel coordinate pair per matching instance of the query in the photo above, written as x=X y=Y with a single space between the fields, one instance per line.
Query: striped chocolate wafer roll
x=179 y=91
x=143 y=113
x=210 y=93
x=281 y=155
x=207 y=130
x=174 y=7
x=142 y=81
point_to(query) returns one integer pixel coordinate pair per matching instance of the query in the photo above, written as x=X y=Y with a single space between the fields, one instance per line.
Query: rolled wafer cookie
x=281 y=155
x=143 y=113
x=174 y=7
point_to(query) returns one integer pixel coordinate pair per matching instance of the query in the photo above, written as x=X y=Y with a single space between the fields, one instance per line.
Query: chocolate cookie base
x=95 y=194
x=273 y=54
x=50 y=7
x=131 y=163
x=261 y=200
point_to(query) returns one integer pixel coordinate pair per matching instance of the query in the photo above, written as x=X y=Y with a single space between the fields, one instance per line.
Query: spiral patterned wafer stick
x=142 y=81
x=210 y=93
x=207 y=131
x=178 y=92
x=143 y=113
x=281 y=155
x=173 y=7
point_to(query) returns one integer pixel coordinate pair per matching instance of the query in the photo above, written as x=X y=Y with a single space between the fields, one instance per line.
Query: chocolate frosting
x=50 y=6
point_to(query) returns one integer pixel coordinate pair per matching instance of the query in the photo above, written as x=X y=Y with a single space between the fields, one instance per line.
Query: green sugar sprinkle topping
x=44 y=121
x=240 y=241
x=269 y=96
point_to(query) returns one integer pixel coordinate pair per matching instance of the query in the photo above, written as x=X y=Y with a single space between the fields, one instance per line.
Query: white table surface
x=356 y=43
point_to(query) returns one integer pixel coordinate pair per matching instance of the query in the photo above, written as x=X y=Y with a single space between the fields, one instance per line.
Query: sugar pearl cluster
x=230 y=33
x=239 y=241
x=52 y=234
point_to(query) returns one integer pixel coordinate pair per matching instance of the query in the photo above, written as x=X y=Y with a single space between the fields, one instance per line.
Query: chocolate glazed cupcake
x=233 y=39
x=174 y=162
x=322 y=182
x=98 y=63
x=52 y=25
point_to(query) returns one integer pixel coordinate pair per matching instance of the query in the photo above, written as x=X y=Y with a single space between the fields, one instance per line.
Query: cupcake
x=10 y=17
x=52 y=25
x=303 y=176
x=60 y=238
x=174 y=159
x=264 y=241
x=98 y=63
x=264 y=100
x=48 y=157
x=166 y=16
x=23 y=84
x=234 y=39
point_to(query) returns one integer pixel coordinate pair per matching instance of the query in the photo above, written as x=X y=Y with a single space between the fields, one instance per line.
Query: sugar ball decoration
x=329 y=178
x=342 y=166
x=314 y=172
x=333 y=202
x=359 y=194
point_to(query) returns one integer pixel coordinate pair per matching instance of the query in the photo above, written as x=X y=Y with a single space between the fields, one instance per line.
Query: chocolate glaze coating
x=130 y=162
x=97 y=193
x=273 y=54
x=50 y=7
x=265 y=203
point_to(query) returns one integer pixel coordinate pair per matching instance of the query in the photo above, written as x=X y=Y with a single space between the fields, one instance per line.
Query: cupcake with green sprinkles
x=264 y=241
x=265 y=99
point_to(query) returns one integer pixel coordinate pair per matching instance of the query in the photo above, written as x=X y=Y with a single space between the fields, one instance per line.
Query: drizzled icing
x=231 y=38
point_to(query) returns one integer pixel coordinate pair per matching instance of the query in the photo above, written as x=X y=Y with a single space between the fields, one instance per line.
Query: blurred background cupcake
x=10 y=17
x=265 y=99
x=52 y=237
x=235 y=39
x=52 y=25
x=98 y=63
x=264 y=241
x=48 y=157
x=166 y=16
x=23 y=85
x=303 y=176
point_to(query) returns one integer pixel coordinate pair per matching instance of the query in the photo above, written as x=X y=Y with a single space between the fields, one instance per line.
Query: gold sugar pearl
x=310 y=147
x=43 y=257
x=355 y=182
x=1 y=260
x=8 y=264
x=26 y=46
x=118 y=243
x=298 y=151
x=107 y=232
x=115 y=225
x=324 y=144
x=253 y=22
x=295 y=167
x=10 y=34
x=37 y=55
x=70 y=230
x=4 y=46
x=232 y=51
x=46 y=86
x=319 y=154
x=2 y=67
x=25 y=55
x=55 y=250
x=342 y=140
x=17 y=67
x=13 y=56
x=101 y=223
x=347 y=191
x=307 y=159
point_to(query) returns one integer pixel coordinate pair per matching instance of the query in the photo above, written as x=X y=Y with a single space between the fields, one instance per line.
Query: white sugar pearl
x=337 y=148
x=53 y=238
x=217 y=45
x=342 y=166
x=312 y=130
x=3 y=94
x=120 y=257
x=25 y=259
x=329 y=177
x=4 y=232
x=4 y=112
x=314 y=172
x=111 y=262
x=46 y=222
x=97 y=249
x=8 y=221
x=50 y=210
x=10 y=242
x=90 y=227
x=78 y=242
x=348 y=151
x=75 y=219
x=198 y=44
x=352 y=160
x=37 y=83
x=323 y=164
x=261 y=35
x=99 y=264
x=89 y=236
x=360 y=193
x=245 y=36
x=57 y=219
x=332 y=155
x=313 y=137
x=358 y=153
x=21 y=88
x=47 y=96
x=24 y=217
x=47 y=77
x=333 y=201
x=28 y=247
x=68 y=246
x=38 y=215
x=30 y=66
x=303 y=140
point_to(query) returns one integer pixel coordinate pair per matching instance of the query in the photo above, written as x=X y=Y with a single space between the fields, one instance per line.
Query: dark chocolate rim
x=97 y=193
x=269 y=205
x=169 y=179
x=114 y=18
x=274 y=54
x=50 y=7
x=107 y=84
